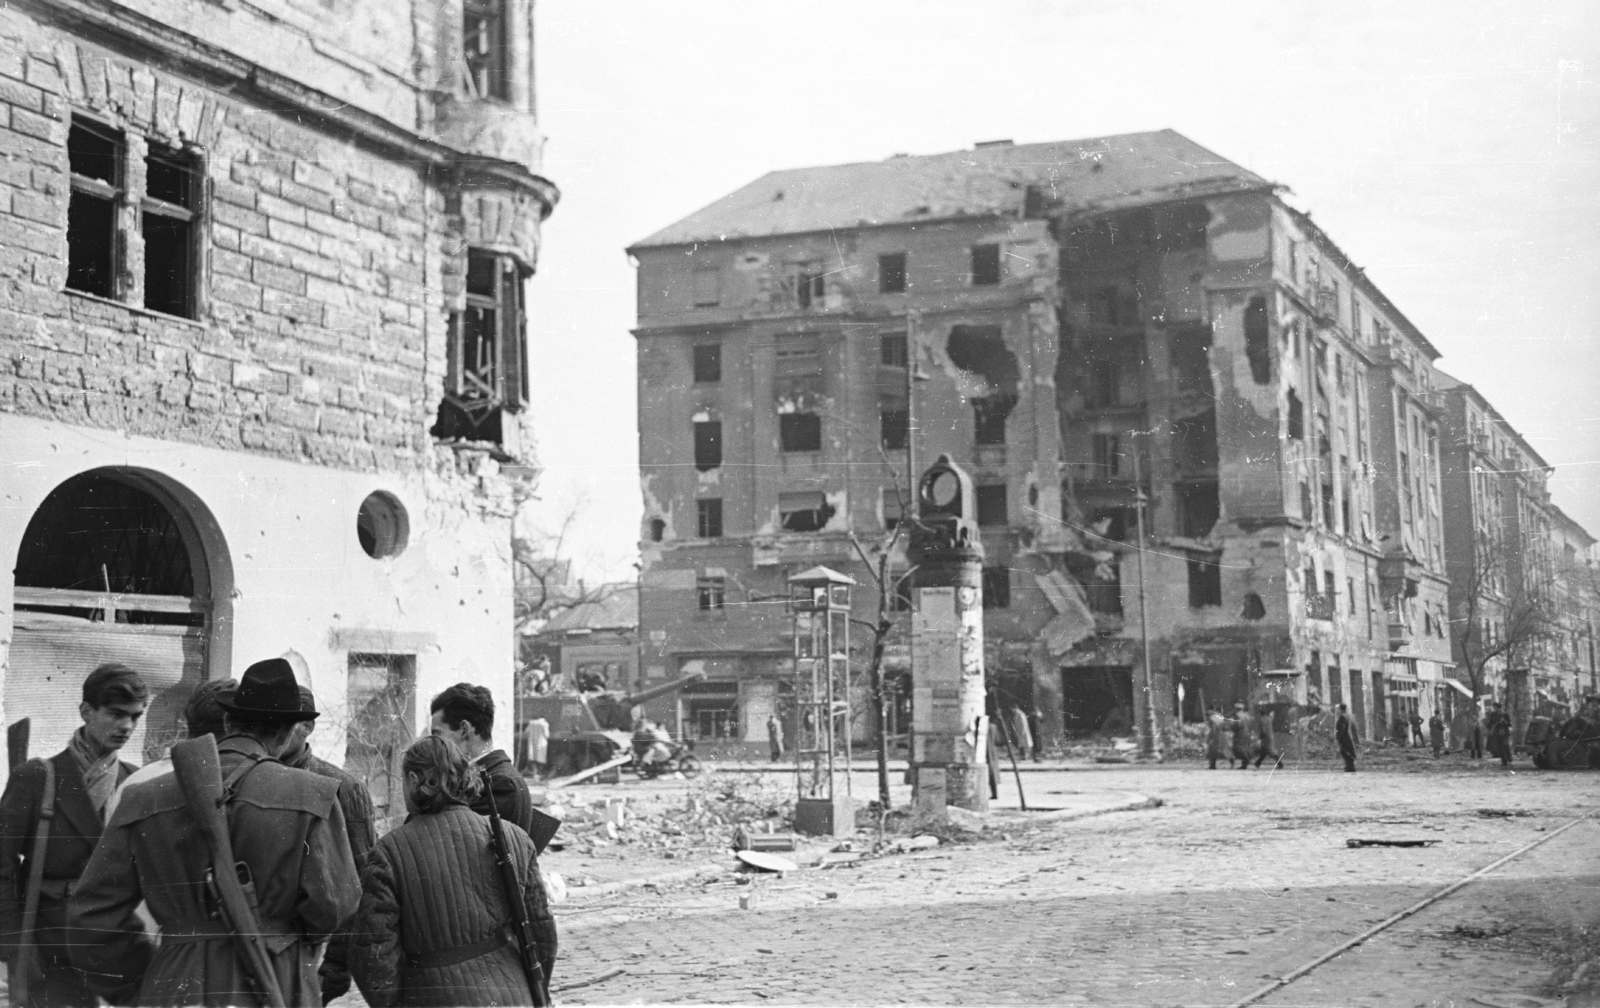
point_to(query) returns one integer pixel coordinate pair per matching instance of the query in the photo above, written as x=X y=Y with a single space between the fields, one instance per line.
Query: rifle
x=199 y=771
x=527 y=952
x=26 y=964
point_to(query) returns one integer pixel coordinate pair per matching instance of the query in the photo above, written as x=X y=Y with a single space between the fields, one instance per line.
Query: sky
x=1451 y=148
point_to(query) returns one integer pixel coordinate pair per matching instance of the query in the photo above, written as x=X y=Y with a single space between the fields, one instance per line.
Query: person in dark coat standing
x=86 y=774
x=1218 y=734
x=1244 y=735
x=1436 y=734
x=286 y=828
x=1267 y=737
x=464 y=714
x=1344 y=731
x=434 y=923
x=356 y=805
x=1497 y=726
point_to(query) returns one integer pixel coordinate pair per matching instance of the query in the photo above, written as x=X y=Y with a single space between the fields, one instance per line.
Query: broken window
x=707 y=287
x=799 y=432
x=894 y=427
x=997 y=587
x=808 y=511
x=711 y=594
x=1190 y=357
x=1297 y=416
x=1107 y=455
x=707 y=444
x=985 y=265
x=989 y=415
x=708 y=362
x=487 y=368
x=169 y=226
x=709 y=514
x=892 y=273
x=1198 y=507
x=992 y=504
x=1105 y=383
x=95 y=158
x=892 y=350
x=484 y=49
x=1257 y=348
x=1205 y=581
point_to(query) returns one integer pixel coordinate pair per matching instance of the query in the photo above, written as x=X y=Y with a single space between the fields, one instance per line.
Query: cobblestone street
x=1237 y=879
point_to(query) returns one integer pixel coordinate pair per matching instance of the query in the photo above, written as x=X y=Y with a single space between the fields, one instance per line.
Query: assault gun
x=199 y=771
x=527 y=951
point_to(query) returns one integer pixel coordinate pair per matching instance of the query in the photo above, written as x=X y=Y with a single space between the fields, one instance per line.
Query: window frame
x=705 y=359
x=892 y=278
x=493 y=57
x=708 y=517
x=190 y=216
x=981 y=271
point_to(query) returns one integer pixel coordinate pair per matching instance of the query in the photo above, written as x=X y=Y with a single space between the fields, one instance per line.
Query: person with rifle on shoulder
x=464 y=714
x=453 y=909
x=51 y=816
x=242 y=861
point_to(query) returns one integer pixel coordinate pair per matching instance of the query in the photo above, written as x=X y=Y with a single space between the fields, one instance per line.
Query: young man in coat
x=1344 y=731
x=86 y=774
x=464 y=714
x=286 y=829
x=356 y=804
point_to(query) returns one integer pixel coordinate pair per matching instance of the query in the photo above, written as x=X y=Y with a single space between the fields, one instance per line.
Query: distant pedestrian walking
x=1436 y=735
x=1218 y=732
x=775 y=736
x=1344 y=731
x=1244 y=735
x=1267 y=737
x=1498 y=727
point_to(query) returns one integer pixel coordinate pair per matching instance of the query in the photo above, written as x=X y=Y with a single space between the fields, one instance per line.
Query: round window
x=382 y=526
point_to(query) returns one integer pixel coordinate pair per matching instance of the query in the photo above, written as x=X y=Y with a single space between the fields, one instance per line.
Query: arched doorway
x=112 y=567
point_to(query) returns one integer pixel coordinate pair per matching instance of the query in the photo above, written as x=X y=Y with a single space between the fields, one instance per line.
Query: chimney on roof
x=993 y=143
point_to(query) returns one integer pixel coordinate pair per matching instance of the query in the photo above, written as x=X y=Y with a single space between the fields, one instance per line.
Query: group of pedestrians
x=1241 y=738
x=284 y=894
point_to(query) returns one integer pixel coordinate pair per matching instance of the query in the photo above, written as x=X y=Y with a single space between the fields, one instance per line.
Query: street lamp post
x=1149 y=745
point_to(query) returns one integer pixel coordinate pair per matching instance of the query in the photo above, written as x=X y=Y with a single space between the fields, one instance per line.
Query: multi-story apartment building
x=1080 y=325
x=264 y=362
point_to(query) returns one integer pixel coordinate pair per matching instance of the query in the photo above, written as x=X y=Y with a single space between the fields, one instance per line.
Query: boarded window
x=992 y=505
x=95 y=157
x=707 y=287
x=707 y=444
x=892 y=273
x=800 y=432
x=708 y=362
x=1205 y=581
x=709 y=513
x=997 y=587
x=804 y=512
x=985 y=265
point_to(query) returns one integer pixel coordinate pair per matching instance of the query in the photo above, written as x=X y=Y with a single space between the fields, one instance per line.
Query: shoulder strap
x=230 y=786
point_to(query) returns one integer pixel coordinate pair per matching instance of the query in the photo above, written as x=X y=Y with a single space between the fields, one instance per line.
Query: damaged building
x=1083 y=326
x=265 y=368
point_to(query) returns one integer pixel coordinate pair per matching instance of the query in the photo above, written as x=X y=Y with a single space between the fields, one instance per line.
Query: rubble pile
x=706 y=819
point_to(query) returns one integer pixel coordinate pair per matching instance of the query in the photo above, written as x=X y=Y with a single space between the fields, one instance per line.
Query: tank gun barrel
x=649 y=693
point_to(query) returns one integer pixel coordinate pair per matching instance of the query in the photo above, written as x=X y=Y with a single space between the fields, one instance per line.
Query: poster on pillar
x=947 y=674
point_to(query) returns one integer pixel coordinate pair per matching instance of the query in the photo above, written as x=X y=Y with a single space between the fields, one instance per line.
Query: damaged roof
x=613 y=607
x=1101 y=173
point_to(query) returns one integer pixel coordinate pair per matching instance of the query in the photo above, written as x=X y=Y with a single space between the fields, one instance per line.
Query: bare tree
x=1505 y=614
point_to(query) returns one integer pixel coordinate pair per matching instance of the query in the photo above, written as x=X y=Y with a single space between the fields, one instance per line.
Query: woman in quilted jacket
x=434 y=926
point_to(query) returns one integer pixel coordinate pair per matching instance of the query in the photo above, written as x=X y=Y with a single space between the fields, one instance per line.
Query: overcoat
x=1218 y=731
x=433 y=924
x=285 y=825
x=510 y=791
x=1244 y=735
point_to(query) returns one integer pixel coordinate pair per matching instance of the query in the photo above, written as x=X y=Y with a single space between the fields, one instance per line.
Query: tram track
x=1388 y=922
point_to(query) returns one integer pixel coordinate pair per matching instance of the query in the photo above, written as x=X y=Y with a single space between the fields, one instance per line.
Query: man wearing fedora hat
x=288 y=834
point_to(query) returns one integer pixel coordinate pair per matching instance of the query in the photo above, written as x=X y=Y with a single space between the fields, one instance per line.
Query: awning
x=1464 y=691
x=1286 y=672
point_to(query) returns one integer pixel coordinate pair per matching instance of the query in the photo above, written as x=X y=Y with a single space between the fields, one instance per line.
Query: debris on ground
x=1496 y=813
x=1389 y=843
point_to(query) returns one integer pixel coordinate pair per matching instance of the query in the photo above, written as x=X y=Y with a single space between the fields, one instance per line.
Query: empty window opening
x=707 y=288
x=989 y=415
x=658 y=529
x=892 y=273
x=709 y=513
x=1114 y=305
x=1257 y=349
x=95 y=157
x=707 y=444
x=1198 y=507
x=985 y=265
x=1297 y=416
x=711 y=594
x=894 y=426
x=487 y=366
x=1105 y=383
x=708 y=362
x=800 y=432
x=997 y=587
x=981 y=352
x=1189 y=350
x=1205 y=581
x=992 y=505
x=809 y=288
x=1107 y=455
x=168 y=222
x=804 y=512
x=1113 y=523
x=1194 y=442
x=1253 y=609
x=484 y=48
x=1327 y=504
x=892 y=350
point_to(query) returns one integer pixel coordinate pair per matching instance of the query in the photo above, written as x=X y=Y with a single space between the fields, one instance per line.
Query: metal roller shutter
x=51 y=656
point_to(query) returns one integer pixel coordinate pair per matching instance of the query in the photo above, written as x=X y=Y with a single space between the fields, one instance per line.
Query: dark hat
x=308 y=699
x=267 y=691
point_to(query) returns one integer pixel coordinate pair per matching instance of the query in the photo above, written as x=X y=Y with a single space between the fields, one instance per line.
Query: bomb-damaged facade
x=1067 y=321
x=263 y=343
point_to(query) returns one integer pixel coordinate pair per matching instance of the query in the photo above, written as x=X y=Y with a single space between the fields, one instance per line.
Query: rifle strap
x=230 y=786
x=30 y=902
